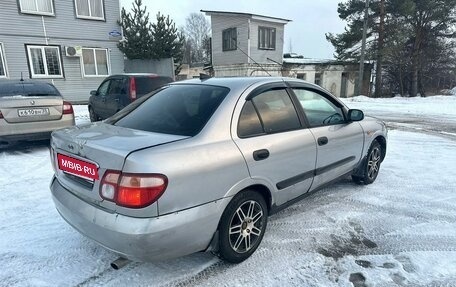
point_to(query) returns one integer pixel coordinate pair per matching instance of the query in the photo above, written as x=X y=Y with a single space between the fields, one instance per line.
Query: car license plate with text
x=33 y=112
x=77 y=167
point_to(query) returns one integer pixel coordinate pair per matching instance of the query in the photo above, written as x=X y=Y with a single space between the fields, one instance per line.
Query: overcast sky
x=310 y=19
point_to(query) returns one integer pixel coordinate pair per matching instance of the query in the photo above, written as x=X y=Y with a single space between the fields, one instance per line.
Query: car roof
x=136 y=75
x=231 y=82
x=238 y=82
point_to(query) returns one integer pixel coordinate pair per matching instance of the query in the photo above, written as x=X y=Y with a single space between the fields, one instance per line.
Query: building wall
x=247 y=70
x=63 y=29
x=260 y=56
x=331 y=76
x=220 y=23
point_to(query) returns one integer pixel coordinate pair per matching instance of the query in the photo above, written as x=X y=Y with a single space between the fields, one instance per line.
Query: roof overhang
x=247 y=15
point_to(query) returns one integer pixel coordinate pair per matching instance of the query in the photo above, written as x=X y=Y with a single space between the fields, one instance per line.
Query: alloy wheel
x=373 y=164
x=246 y=226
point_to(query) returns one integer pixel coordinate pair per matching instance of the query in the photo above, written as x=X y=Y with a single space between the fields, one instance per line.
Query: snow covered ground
x=399 y=231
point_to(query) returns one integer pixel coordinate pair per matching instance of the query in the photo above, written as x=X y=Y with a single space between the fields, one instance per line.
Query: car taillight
x=67 y=108
x=132 y=190
x=132 y=89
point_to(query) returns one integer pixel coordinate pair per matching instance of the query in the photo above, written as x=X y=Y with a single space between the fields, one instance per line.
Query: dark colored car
x=117 y=91
x=31 y=110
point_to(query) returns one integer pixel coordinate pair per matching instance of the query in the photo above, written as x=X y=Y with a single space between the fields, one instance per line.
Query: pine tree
x=137 y=40
x=409 y=35
x=167 y=40
x=347 y=43
x=427 y=21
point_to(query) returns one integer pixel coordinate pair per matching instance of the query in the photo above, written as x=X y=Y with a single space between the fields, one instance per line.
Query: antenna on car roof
x=261 y=67
x=22 y=78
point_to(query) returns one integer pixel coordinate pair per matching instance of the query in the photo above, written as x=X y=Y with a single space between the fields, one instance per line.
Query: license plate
x=77 y=167
x=33 y=112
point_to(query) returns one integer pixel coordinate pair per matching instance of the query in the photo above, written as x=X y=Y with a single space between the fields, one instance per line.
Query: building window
x=44 y=61
x=318 y=79
x=95 y=62
x=301 y=76
x=40 y=7
x=89 y=9
x=3 y=73
x=229 y=37
x=266 y=38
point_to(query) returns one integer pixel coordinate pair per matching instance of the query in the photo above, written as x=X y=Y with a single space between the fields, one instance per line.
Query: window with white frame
x=3 y=73
x=95 y=62
x=266 y=38
x=89 y=9
x=40 y=7
x=44 y=61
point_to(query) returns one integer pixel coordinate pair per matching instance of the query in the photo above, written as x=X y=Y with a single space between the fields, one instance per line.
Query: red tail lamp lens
x=132 y=190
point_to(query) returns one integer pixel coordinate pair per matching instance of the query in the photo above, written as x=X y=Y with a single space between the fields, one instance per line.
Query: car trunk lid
x=103 y=146
x=21 y=109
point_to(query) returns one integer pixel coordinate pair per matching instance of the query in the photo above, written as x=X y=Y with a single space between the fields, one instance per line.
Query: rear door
x=339 y=142
x=277 y=147
x=117 y=89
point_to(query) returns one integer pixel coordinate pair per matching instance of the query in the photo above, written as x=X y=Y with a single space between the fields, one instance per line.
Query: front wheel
x=242 y=226
x=93 y=116
x=371 y=167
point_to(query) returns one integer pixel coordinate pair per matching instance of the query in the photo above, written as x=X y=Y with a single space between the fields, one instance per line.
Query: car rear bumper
x=141 y=239
x=33 y=130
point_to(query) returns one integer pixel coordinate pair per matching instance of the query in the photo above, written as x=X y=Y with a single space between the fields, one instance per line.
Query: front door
x=277 y=148
x=339 y=142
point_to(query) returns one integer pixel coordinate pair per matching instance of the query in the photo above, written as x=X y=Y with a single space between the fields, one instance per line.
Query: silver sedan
x=31 y=110
x=199 y=165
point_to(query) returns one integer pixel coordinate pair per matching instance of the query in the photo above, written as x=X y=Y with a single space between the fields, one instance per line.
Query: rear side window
x=178 y=109
x=146 y=85
x=249 y=122
x=269 y=112
x=28 y=89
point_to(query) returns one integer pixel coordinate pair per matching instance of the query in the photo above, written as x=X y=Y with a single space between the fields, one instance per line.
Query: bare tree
x=197 y=30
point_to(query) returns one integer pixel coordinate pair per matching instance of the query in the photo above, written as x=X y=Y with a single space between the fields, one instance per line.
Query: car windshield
x=27 y=89
x=177 y=109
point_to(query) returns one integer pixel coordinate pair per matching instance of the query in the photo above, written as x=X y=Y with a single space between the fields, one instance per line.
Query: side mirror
x=94 y=93
x=355 y=115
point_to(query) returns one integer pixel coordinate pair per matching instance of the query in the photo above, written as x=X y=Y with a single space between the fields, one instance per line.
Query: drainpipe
x=46 y=40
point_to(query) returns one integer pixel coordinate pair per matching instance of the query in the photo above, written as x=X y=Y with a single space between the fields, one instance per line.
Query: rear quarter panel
x=198 y=171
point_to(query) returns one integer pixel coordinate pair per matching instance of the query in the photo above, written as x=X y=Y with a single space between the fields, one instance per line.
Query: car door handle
x=260 y=154
x=322 y=141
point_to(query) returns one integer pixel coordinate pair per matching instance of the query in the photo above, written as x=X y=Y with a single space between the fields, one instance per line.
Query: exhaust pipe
x=119 y=263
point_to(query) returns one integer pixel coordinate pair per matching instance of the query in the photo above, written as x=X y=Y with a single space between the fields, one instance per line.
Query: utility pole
x=363 y=50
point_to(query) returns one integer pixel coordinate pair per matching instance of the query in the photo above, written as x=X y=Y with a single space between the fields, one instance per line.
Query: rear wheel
x=371 y=167
x=242 y=226
x=93 y=116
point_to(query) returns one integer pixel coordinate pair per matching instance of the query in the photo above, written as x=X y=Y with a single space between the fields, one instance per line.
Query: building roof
x=249 y=15
x=310 y=61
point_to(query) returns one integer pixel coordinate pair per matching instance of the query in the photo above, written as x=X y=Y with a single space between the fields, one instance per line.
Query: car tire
x=371 y=167
x=242 y=226
x=93 y=116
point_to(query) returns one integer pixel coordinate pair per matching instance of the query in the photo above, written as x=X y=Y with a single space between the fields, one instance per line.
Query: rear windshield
x=145 y=85
x=177 y=109
x=27 y=89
